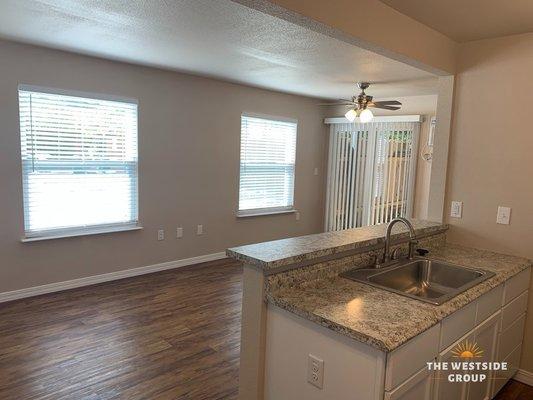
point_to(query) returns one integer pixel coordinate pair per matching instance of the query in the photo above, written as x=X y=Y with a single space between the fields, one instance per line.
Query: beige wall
x=423 y=173
x=396 y=35
x=188 y=170
x=491 y=151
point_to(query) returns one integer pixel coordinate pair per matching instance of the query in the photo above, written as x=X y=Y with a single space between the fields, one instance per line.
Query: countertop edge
x=240 y=253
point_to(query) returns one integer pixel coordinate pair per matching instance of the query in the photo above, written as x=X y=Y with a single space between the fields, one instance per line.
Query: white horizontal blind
x=268 y=152
x=79 y=162
x=370 y=173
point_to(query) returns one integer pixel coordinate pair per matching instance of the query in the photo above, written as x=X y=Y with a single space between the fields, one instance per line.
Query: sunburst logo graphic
x=467 y=350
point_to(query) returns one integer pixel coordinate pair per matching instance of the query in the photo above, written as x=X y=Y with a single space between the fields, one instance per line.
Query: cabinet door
x=486 y=338
x=418 y=387
x=444 y=389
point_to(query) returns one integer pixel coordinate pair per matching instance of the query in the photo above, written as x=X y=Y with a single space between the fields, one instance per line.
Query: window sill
x=259 y=213
x=60 y=234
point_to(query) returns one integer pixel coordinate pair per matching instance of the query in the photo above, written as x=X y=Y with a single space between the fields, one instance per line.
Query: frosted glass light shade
x=350 y=115
x=366 y=115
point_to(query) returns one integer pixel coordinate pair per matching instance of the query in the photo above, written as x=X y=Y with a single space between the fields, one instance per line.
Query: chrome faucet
x=386 y=259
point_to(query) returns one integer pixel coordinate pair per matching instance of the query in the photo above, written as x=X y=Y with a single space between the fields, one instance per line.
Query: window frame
x=82 y=230
x=256 y=212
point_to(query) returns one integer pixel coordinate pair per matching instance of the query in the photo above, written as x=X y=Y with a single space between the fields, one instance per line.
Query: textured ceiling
x=218 y=38
x=466 y=20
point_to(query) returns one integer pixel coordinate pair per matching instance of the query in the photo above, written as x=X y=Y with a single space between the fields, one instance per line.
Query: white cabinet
x=485 y=337
x=444 y=389
x=418 y=387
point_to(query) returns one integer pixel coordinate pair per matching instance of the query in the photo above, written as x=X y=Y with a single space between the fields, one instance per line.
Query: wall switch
x=199 y=229
x=457 y=209
x=504 y=215
x=315 y=171
x=160 y=234
x=179 y=232
x=315 y=371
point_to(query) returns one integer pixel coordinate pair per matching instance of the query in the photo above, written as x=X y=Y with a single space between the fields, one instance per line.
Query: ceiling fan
x=360 y=105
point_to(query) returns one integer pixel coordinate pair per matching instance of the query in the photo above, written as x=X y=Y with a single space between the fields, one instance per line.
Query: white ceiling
x=469 y=20
x=218 y=38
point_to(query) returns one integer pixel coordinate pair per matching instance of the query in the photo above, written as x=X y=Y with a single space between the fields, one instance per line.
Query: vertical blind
x=79 y=161
x=371 y=171
x=268 y=151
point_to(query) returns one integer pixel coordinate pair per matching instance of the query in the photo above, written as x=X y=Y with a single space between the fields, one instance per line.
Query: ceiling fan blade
x=336 y=104
x=388 y=103
x=394 y=108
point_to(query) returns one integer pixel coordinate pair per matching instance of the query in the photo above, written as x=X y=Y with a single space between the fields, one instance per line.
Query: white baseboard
x=524 y=377
x=112 y=276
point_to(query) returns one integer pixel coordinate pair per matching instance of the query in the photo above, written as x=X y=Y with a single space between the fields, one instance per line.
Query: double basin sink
x=423 y=279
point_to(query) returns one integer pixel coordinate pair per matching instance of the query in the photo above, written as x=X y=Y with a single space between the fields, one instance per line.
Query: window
x=79 y=163
x=268 y=151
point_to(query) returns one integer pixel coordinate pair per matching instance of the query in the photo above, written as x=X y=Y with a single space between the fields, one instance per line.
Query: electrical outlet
x=200 y=230
x=179 y=232
x=160 y=234
x=315 y=172
x=297 y=215
x=504 y=215
x=315 y=371
x=457 y=209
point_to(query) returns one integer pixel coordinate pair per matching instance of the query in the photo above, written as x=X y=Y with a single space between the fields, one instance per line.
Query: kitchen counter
x=377 y=317
x=280 y=253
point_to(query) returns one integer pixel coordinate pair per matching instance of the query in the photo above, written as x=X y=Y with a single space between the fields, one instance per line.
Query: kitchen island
x=374 y=344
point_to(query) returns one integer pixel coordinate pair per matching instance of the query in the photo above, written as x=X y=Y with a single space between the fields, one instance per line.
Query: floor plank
x=168 y=335
x=515 y=390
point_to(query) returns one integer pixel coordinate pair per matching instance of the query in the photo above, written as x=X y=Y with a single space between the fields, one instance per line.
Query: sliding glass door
x=371 y=173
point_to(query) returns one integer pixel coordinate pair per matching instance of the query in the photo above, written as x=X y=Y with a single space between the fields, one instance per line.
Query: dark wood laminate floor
x=515 y=391
x=168 y=335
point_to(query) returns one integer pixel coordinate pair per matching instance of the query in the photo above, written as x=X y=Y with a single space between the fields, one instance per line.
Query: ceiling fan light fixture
x=351 y=115
x=366 y=116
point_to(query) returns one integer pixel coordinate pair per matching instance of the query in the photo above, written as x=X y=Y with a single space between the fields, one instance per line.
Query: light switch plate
x=504 y=215
x=200 y=230
x=179 y=232
x=315 y=371
x=160 y=234
x=457 y=209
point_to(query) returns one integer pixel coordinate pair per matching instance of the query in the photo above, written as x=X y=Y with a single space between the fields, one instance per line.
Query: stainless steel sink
x=426 y=280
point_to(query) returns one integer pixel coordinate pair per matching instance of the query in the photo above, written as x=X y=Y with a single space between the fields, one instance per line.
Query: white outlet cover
x=199 y=229
x=504 y=215
x=160 y=234
x=179 y=232
x=315 y=371
x=456 y=209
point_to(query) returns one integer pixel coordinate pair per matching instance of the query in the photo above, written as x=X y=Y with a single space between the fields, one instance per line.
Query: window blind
x=79 y=162
x=268 y=152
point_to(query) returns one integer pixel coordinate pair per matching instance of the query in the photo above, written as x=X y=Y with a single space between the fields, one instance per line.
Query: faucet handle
x=422 y=252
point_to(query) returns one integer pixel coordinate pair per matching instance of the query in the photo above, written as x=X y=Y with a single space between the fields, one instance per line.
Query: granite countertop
x=280 y=253
x=383 y=319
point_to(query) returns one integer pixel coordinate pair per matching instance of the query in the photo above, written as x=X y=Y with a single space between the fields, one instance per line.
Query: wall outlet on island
x=315 y=371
